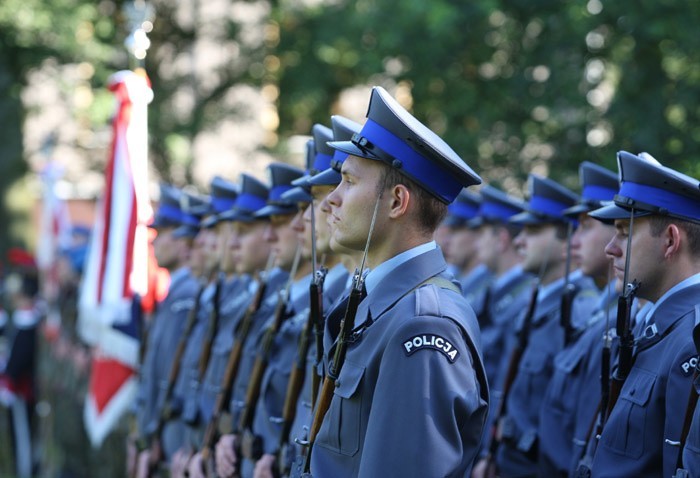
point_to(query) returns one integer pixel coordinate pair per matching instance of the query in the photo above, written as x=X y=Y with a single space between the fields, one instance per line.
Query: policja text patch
x=434 y=342
x=688 y=366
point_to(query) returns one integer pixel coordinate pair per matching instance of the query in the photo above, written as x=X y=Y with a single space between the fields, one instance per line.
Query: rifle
x=570 y=291
x=347 y=325
x=605 y=370
x=324 y=400
x=484 y=316
x=688 y=418
x=212 y=327
x=165 y=413
x=317 y=314
x=251 y=444
x=296 y=378
x=511 y=373
x=624 y=327
x=234 y=359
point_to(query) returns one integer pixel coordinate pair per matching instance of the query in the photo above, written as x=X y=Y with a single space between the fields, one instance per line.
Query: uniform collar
x=403 y=278
x=474 y=276
x=507 y=277
x=376 y=275
x=179 y=274
x=684 y=296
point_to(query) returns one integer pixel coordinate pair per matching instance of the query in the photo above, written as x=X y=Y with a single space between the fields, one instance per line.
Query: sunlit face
x=646 y=257
x=224 y=230
x=487 y=246
x=165 y=248
x=462 y=246
x=303 y=231
x=282 y=238
x=540 y=247
x=323 y=228
x=352 y=204
x=249 y=251
x=588 y=246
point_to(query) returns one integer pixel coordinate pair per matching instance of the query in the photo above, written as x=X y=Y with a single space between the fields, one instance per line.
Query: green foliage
x=512 y=86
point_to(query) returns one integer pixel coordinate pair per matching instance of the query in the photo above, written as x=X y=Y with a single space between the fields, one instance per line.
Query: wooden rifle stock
x=165 y=412
x=298 y=373
x=260 y=364
x=511 y=373
x=326 y=395
x=212 y=327
x=624 y=332
x=234 y=359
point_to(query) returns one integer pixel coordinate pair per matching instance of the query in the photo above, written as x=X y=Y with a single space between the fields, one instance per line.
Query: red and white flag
x=117 y=265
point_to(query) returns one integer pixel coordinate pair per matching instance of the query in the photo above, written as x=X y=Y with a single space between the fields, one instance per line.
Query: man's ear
x=400 y=199
x=672 y=240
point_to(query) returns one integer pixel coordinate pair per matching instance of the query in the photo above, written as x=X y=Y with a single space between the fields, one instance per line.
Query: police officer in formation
x=655 y=247
x=461 y=249
x=357 y=352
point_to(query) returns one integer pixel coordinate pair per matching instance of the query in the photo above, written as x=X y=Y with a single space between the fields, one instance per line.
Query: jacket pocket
x=342 y=433
x=624 y=432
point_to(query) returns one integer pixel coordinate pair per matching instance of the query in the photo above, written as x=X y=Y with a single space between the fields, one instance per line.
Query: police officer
x=656 y=211
x=413 y=369
x=204 y=265
x=320 y=181
x=280 y=235
x=543 y=243
x=234 y=297
x=573 y=393
x=460 y=246
x=172 y=252
x=510 y=289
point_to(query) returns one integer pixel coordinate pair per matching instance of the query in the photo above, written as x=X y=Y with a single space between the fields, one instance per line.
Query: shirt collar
x=375 y=276
x=688 y=282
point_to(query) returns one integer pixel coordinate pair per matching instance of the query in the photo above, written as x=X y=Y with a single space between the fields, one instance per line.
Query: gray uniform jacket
x=573 y=394
x=235 y=301
x=474 y=285
x=333 y=288
x=278 y=279
x=165 y=332
x=189 y=380
x=638 y=436
x=517 y=453
x=411 y=398
x=279 y=358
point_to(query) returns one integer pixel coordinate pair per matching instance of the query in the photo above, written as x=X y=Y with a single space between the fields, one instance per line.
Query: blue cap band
x=338 y=158
x=322 y=161
x=676 y=204
x=277 y=191
x=222 y=204
x=249 y=202
x=492 y=210
x=167 y=211
x=463 y=210
x=595 y=192
x=435 y=179
x=546 y=206
x=189 y=220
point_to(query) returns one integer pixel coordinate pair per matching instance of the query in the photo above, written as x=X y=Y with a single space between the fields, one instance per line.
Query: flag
x=116 y=270
x=54 y=236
